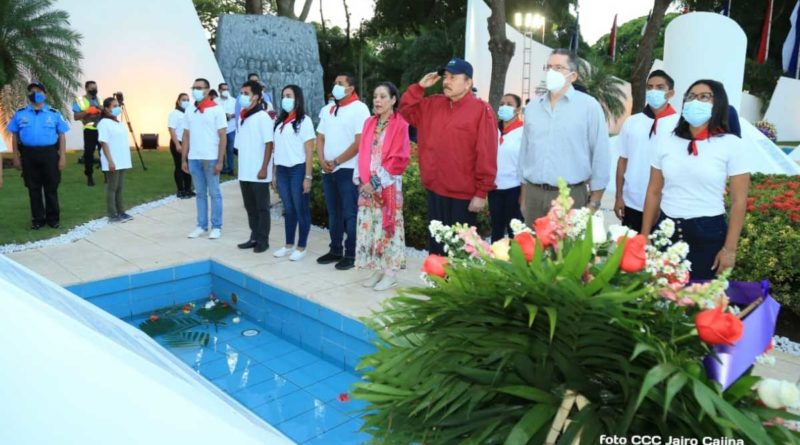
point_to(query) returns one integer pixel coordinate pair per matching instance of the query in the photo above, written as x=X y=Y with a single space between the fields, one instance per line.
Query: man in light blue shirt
x=565 y=136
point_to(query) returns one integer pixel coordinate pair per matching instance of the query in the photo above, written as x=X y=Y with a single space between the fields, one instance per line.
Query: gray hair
x=572 y=58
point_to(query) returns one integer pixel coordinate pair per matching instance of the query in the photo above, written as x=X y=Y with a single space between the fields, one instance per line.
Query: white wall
x=750 y=108
x=151 y=50
x=783 y=109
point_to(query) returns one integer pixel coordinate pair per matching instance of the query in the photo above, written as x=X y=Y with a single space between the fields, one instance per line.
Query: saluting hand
x=429 y=80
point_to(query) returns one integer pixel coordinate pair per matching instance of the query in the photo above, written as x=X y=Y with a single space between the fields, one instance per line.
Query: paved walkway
x=156 y=239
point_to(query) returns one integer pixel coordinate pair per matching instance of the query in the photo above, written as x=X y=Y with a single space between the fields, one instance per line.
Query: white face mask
x=555 y=80
x=225 y=94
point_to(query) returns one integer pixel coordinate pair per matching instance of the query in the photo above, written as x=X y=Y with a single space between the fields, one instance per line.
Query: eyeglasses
x=555 y=67
x=702 y=97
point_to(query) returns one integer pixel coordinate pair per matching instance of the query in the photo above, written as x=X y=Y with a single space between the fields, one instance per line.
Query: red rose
x=434 y=265
x=343 y=397
x=153 y=317
x=634 y=257
x=545 y=231
x=718 y=328
x=527 y=243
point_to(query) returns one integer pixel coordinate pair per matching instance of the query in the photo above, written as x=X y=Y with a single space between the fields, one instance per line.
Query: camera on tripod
x=120 y=98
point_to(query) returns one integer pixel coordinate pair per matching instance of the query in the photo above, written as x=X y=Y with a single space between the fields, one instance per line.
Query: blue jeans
x=295 y=203
x=206 y=183
x=227 y=166
x=341 y=199
x=705 y=237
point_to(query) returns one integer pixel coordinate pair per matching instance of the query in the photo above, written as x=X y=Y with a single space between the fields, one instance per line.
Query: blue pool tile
x=192 y=269
x=312 y=373
x=271 y=352
x=331 y=318
x=218 y=368
x=335 y=336
x=252 y=284
x=110 y=300
x=313 y=423
x=287 y=407
x=360 y=347
x=254 y=311
x=265 y=392
x=247 y=374
x=152 y=277
x=333 y=352
x=352 y=359
x=354 y=328
x=242 y=343
x=329 y=389
x=283 y=298
x=195 y=294
x=345 y=434
x=226 y=273
x=311 y=337
x=231 y=330
x=290 y=361
x=308 y=308
x=107 y=286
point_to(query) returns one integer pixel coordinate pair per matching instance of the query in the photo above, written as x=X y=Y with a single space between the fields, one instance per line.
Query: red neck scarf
x=703 y=135
x=206 y=103
x=508 y=128
x=664 y=113
x=343 y=103
x=288 y=119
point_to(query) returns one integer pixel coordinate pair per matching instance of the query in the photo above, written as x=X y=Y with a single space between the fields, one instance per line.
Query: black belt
x=37 y=147
x=552 y=188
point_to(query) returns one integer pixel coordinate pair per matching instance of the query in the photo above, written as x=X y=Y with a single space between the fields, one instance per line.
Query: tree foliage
x=601 y=83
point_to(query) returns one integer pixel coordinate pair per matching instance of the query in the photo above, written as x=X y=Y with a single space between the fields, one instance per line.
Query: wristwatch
x=335 y=162
x=309 y=177
x=594 y=204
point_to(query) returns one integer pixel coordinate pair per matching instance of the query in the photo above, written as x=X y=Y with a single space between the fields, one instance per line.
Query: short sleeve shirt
x=175 y=122
x=37 y=128
x=340 y=130
x=204 y=131
x=290 y=146
x=115 y=134
x=254 y=133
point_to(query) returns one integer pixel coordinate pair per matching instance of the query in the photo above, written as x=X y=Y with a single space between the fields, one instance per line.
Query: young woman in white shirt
x=183 y=180
x=115 y=159
x=504 y=202
x=294 y=146
x=688 y=178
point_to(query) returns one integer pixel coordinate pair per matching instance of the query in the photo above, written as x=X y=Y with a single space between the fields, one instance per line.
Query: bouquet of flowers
x=565 y=332
x=768 y=129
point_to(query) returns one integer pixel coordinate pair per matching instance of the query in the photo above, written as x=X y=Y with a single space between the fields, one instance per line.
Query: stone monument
x=282 y=51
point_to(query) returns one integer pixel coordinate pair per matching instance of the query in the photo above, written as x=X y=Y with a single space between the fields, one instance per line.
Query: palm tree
x=595 y=75
x=36 y=42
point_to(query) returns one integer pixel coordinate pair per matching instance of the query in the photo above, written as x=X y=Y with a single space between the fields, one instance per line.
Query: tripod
x=133 y=135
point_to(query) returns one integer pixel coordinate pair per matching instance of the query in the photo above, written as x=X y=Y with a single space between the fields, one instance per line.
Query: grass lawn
x=80 y=203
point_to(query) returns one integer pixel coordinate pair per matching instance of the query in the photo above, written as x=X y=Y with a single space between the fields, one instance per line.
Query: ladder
x=527 y=55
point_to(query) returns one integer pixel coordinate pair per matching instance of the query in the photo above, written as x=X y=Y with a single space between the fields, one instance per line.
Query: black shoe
x=124 y=217
x=54 y=225
x=36 y=226
x=329 y=258
x=180 y=194
x=191 y=194
x=114 y=219
x=247 y=244
x=260 y=248
x=345 y=264
x=90 y=181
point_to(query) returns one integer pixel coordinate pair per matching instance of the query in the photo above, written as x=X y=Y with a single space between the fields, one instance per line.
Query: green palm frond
x=36 y=42
x=603 y=86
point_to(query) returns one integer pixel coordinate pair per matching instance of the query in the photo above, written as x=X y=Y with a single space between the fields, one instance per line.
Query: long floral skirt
x=373 y=250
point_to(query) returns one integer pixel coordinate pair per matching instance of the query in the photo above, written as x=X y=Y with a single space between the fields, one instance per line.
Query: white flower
x=617 y=231
x=667 y=228
x=598 y=228
x=236 y=320
x=778 y=394
x=209 y=305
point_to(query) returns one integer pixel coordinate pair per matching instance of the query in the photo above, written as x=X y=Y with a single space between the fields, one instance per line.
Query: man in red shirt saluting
x=457 y=141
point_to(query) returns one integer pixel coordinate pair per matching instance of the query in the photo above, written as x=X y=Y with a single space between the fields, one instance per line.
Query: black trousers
x=633 y=219
x=90 y=144
x=256 y=202
x=41 y=175
x=503 y=207
x=183 y=180
x=449 y=211
x=705 y=237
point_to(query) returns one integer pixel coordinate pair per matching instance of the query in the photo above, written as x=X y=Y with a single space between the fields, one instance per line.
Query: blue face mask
x=198 y=95
x=697 y=113
x=287 y=103
x=116 y=111
x=185 y=104
x=505 y=113
x=36 y=97
x=656 y=98
x=244 y=101
x=338 y=92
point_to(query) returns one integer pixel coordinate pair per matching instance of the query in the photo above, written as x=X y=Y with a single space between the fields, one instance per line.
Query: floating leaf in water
x=186 y=339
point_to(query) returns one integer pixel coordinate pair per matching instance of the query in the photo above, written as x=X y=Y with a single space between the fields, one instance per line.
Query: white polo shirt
x=638 y=148
x=290 y=146
x=203 y=131
x=175 y=121
x=340 y=130
x=251 y=139
x=694 y=186
x=115 y=134
x=507 y=160
x=229 y=105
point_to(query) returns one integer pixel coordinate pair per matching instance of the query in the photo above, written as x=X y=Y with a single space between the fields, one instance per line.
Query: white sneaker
x=373 y=279
x=386 y=283
x=196 y=232
x=215 y=233
x=283 y=251
x=298 y=255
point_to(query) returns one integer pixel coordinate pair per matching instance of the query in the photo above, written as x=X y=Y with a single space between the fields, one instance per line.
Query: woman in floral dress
x=382 y=158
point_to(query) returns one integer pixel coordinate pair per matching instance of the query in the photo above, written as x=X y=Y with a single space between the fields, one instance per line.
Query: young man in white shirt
x=228 y=103
x=204 y=141
x=254 y=143
x=640 y=138
x=338 y=136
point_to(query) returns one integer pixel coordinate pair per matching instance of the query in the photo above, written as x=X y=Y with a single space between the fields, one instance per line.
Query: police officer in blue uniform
x=40 y=150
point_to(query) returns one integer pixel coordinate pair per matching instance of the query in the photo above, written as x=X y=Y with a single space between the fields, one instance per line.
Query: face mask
x=244 y=100
x=338 y=92
x=116 y=111
x=92 y=92
x=198 y=95
x=225 y=94
x=656 y=98
x=555 y=80
x=697 y=113
x=505 y=113
x=185 y=104
x=36 y=97
x=287 y=103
